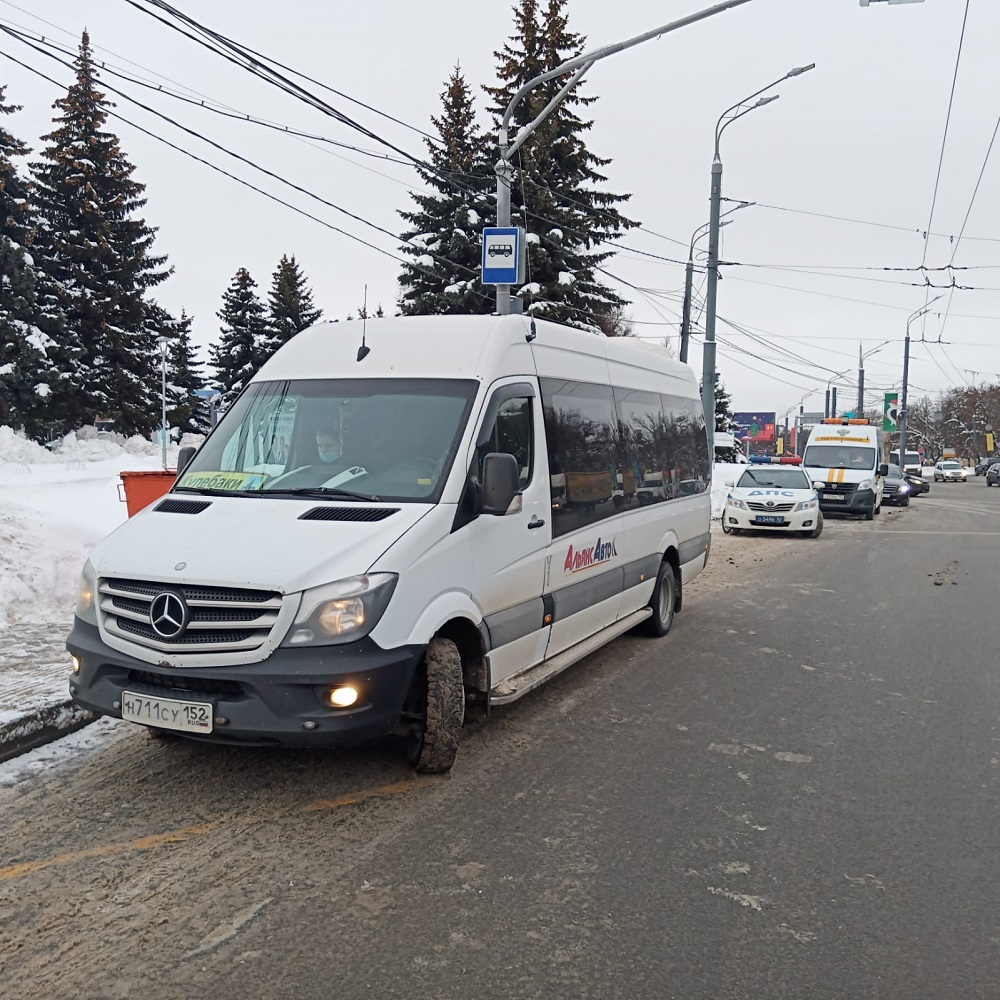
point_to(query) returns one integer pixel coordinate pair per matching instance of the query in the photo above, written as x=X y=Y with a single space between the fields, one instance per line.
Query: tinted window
x=685 y=447
x=776 y=477
x=612 y=451
x=580 y=434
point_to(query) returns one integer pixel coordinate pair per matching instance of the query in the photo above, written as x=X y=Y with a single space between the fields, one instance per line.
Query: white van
x=844 y=456
x=372 y=538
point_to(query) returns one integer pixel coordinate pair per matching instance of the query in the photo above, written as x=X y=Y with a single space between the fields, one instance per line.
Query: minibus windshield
x=336 y=439
x=839 y=456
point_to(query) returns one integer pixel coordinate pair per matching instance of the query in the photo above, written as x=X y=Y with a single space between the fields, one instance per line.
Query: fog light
x=76 y=664
x=341 y=697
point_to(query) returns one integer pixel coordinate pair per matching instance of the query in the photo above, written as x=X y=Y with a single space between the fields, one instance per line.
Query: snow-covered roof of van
x=443 y=347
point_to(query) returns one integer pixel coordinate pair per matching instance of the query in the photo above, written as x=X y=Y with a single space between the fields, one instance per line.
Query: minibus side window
x=683 y=447
x=638 y=469
x=510 y=433
x=580 y=432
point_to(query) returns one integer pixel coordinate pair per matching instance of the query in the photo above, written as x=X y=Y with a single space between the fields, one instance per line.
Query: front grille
x=220 y=619
x=773 y=508
x=845 y=488
x=890 y=490
x=184 y=683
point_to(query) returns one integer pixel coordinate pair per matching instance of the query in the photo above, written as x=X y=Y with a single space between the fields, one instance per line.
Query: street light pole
x=906 y=376
x=726 y=119
x=577 y=66
x=701 y=231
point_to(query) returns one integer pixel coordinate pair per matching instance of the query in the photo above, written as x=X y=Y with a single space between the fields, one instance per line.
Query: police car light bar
x=847 y=420
x=769 y=460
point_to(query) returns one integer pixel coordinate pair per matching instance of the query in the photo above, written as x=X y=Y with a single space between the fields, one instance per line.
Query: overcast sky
x=859 y=137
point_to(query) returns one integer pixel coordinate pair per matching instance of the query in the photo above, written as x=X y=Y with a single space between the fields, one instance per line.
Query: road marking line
x=188 y=833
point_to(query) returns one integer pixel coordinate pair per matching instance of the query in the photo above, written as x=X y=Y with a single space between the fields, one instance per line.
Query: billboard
x=757 y=428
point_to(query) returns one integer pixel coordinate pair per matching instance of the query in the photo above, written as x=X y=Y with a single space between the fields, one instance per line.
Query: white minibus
x=375 y=537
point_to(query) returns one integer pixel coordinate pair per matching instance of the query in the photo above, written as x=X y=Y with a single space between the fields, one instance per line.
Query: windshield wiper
x=207 y=492
x=322 y=492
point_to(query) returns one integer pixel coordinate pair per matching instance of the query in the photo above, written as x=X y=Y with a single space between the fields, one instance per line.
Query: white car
x=949 y=471
x=773 y=498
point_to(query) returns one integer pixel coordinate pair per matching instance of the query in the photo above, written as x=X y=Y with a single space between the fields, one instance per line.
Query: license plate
x=769 y=519
x=832 y=496
x=166 y=713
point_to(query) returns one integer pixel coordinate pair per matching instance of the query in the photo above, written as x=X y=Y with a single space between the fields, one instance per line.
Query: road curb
x=40 y=726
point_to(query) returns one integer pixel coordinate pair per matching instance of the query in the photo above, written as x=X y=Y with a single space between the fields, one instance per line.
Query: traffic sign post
x=503 y=255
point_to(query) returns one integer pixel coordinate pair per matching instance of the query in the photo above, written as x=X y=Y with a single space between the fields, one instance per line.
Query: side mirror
x=730 y=483
x=501 y=486
x=883 y=470
x=817 y=485
x=184 y=456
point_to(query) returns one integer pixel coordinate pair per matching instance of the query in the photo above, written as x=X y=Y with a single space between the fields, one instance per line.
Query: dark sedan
x=895 y=489
x=993 y=474
x=983 y=465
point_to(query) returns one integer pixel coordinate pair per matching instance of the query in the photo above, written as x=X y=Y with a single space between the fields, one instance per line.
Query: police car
x=773 y=494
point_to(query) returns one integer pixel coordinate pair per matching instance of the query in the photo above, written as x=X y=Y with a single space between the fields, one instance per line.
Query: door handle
x=535 y=522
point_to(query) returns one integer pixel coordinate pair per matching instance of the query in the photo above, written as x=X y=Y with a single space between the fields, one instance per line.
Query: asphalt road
x=793 y=795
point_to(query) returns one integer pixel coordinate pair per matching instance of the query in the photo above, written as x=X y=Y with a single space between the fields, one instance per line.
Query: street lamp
x=163 y=343
x=861 y=373
x=906 y=374
x=577 y=66
x=726 y=119
x=698 y=234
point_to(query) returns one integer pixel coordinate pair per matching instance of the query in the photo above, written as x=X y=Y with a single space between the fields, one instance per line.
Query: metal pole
x=833 y=401
x=505 y=177
x=826 y=404
x=708 y=354
x=902 y=400
x=686 y=319
x=861 y=383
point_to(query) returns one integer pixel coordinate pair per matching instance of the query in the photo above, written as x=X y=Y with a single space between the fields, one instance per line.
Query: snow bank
x=55 y=505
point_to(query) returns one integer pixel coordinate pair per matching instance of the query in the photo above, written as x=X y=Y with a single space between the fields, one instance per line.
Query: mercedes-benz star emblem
x=169 y=615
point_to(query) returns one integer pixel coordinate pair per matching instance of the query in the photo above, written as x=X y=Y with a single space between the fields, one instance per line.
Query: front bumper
x=802 y=520
x=948 y=477
x=834 y=498
x=266 y=703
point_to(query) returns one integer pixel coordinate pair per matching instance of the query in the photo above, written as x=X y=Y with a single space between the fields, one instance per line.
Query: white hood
x=250 y=542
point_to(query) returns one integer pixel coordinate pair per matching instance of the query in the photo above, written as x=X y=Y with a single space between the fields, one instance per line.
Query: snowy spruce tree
x=290 y=303
x=444 y=231
x=246 y=334
x=99 y=255
x=185 y=410
x=25 y=378
x=558 y=192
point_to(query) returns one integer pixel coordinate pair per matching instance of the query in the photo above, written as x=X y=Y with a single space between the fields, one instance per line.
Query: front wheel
x=818 y=530
x=663 y=602
x=435 y=708
x=870 y=514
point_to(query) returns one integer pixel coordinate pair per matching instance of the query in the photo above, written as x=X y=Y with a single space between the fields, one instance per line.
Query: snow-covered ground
x=55 y=504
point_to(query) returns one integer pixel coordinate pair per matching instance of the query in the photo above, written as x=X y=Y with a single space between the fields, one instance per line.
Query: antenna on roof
x=363 y=350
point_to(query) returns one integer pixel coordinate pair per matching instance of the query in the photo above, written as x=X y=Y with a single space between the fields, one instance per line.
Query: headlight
x=903 y=488
x=866 y=484
x=86 y=598
x=739 y=504
x=344 y=611
x=807 y=504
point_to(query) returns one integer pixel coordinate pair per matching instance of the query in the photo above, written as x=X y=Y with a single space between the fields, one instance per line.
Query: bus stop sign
x=503 y=256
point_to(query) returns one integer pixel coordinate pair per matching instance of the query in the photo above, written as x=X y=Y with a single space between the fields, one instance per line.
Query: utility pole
x=906 y=376
x=826 y=404
x=686 y=314
x=833 y=402
x=861 y=382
